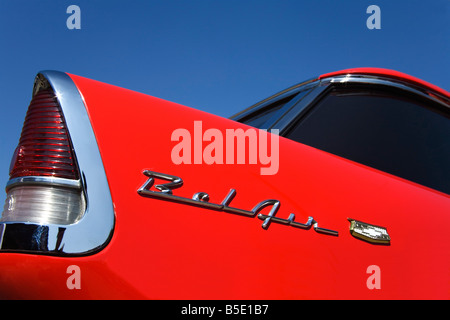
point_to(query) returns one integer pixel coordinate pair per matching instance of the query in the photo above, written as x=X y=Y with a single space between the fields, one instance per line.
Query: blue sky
x=219 y=56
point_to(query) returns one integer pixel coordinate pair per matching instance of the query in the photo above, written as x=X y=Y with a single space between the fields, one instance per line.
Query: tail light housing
x=58 y=199
x=44 y=184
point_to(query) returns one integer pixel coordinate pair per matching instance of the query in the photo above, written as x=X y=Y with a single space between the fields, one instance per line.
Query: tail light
x=58 y=199
x=44 y=184
x=44 y=147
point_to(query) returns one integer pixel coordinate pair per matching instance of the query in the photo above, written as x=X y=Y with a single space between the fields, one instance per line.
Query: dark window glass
x=388 y=131
x=264 y=118
x=267 y=116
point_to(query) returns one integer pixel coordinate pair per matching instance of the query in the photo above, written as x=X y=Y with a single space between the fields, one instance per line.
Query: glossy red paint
x=166 y=250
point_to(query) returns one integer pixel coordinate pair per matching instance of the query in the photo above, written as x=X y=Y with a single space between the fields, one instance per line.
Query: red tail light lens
x=44 y=148
x=44 y=180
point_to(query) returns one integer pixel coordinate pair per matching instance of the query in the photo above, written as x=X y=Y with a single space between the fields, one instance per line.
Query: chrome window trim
x=382 y=81
x=291 y=117
x=305 y=85
x=94 y=230
x=319 y=87
x=287 y=119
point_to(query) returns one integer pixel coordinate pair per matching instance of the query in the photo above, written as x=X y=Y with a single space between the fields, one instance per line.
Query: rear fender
x=207 y=252
x=233 y=230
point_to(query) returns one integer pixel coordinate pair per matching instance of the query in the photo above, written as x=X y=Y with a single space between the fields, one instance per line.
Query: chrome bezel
x=94 y=230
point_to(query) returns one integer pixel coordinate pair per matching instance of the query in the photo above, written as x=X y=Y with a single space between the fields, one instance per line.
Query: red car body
x=159 y=249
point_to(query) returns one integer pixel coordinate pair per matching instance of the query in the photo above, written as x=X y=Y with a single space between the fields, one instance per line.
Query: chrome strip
x=94 y=230
x=278 y=96
x=32 y=180
x=2 y=231
x=405 y=86
x=284 y=122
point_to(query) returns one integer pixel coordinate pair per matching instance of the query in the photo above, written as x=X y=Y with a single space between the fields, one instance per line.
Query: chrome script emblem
x=368 y=232
x=201 y=199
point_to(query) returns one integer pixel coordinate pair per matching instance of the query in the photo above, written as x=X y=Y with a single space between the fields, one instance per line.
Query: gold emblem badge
x=368 y=232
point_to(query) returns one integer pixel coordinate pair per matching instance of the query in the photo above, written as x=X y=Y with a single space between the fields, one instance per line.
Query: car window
x=386 y=130
x=268 y=115
x=265 y=117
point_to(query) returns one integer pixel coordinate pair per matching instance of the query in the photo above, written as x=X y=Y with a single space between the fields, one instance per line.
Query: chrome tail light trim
x=94 y=230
